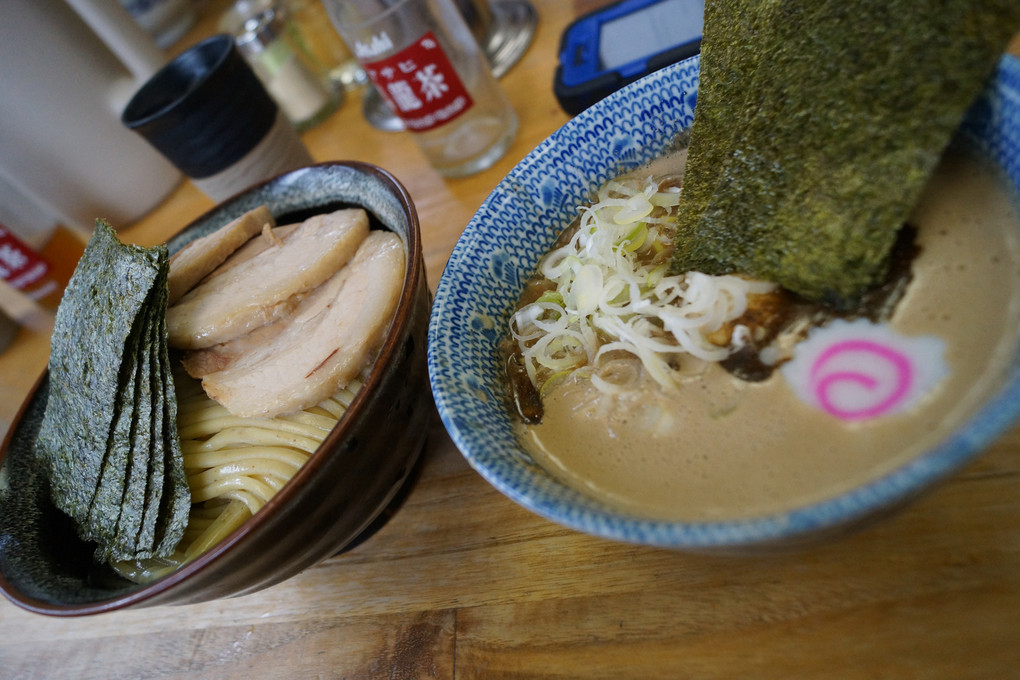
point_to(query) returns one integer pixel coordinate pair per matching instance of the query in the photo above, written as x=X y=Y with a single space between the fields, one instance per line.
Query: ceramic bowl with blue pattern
x=518 y=223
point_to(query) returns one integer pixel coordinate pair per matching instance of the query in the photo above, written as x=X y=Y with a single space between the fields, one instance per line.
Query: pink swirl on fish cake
x=857 y=370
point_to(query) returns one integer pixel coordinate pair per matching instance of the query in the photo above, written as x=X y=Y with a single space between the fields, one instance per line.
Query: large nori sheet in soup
x=817 y=127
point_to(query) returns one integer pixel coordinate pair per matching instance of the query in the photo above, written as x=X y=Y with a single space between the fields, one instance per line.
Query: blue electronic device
x=608 y=48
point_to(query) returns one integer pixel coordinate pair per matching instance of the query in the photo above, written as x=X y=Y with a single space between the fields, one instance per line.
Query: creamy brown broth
x=724 y=448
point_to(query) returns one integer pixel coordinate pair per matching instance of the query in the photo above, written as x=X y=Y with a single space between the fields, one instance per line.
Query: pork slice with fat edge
x=324 y=346
x=268 y=286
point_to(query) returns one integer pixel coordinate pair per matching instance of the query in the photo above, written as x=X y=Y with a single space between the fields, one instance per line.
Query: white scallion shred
x=611 y=293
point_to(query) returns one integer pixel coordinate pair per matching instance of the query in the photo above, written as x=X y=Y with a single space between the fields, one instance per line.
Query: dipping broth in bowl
x=704 y=431
x=726 y=462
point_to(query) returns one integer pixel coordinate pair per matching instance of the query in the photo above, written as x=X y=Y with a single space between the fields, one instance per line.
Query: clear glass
x=320 y=40
x=464 y=125
x=270 y=42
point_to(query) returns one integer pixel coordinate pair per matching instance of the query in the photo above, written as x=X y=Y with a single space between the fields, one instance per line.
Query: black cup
x=204 y=110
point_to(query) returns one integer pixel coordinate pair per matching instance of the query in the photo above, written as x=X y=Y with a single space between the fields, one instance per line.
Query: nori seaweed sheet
x=814 y=151
x=132 y=505
x=107 y=501
x=41 y=553
x=176 y=501
x=92 y=330
x=146 y=540
x=114 y=460
x=174 y=498
x=729 y=26
x=161 y=525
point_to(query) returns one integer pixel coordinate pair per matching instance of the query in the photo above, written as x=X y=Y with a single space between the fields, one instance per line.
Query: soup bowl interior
x=500 y=249
x=340 y=496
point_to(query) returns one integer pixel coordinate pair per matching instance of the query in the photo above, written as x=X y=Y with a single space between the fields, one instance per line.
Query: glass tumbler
x=424 y=61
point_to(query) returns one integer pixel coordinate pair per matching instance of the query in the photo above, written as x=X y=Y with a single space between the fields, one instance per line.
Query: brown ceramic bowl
x=339 y=497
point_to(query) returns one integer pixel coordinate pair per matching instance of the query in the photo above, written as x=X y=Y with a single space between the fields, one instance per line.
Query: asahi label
x=421 y=85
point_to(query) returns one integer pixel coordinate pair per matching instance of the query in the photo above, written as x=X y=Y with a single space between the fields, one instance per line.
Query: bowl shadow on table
x=347 y=490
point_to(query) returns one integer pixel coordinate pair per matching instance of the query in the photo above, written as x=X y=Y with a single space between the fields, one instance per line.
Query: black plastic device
x=610 y=47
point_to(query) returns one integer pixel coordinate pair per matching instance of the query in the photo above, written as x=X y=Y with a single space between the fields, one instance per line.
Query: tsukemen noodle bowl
x=348 y=472
x=728 y=464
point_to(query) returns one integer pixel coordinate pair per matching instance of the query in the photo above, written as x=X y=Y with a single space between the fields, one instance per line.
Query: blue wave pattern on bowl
x=994 y=120
x=521 y=219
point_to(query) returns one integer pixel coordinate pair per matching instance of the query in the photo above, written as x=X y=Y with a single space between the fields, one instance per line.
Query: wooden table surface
x=463 y=583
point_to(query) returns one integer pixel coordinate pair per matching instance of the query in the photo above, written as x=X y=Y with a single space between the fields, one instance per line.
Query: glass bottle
x=423 y=59
x=321 y=41
x=265 y=42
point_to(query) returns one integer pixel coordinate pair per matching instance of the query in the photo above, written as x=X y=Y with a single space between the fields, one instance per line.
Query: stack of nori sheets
x=109 y=433
x=817 y=126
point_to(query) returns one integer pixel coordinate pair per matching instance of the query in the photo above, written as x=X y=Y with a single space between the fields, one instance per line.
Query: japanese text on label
x=421 y=85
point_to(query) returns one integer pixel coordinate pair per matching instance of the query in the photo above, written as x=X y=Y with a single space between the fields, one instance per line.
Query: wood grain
x=463 y=583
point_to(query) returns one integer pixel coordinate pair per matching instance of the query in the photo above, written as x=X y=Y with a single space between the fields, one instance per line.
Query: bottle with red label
x=37 y=274
x=424 y=61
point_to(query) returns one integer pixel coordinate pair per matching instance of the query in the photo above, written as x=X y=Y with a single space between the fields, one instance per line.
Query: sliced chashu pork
x=190 y=264
x=326 y=344
x=268 y=286
x=201 y=362
x=269 y=238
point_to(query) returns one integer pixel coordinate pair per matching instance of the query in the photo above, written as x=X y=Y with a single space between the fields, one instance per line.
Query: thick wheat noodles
x=234 y=466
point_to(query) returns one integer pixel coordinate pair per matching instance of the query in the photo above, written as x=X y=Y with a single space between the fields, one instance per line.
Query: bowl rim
x=413 y=273
x=791 y=526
